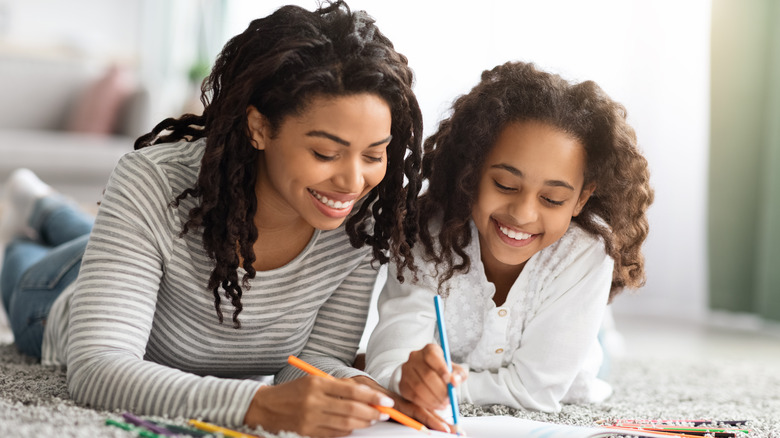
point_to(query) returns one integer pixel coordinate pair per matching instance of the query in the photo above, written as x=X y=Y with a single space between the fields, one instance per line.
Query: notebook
x=503 y=427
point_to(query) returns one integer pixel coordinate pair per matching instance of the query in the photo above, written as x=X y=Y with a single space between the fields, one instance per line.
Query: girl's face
x=323 y=160
x=531 y=185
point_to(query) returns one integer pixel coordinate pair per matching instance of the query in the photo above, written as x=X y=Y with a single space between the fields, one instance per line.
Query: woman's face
x=531 y=185
x=323 y=160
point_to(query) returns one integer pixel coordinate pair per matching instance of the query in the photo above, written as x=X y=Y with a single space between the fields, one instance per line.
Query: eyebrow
x=517 y=172
x=343 y=142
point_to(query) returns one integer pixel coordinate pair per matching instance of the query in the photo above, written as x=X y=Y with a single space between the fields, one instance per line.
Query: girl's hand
x=315 y=406
x=424 y=378
x=425 y=416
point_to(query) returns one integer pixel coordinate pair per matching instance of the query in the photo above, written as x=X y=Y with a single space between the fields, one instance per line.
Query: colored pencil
x=393 y=413
x=208 y=427
x=685 y=428
x=696 y=422
x=709 y=433
x=448 y=360
x=181 y=430
x=713 y=428
x=143 y=433
x=132 y=419
x=634 y=430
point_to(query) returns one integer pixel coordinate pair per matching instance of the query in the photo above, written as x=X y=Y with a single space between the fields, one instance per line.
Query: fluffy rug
x=34 y=400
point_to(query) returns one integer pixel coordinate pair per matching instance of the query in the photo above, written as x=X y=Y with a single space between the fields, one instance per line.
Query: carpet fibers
x=34 y=400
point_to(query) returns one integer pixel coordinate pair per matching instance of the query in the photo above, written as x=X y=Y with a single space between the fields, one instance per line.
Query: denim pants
x=35 y=272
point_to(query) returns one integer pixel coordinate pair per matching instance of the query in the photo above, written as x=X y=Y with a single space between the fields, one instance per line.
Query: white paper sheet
x=497 y=427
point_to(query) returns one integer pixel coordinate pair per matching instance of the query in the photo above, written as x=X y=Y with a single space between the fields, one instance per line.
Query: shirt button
x=499 y=350
x=502 y=313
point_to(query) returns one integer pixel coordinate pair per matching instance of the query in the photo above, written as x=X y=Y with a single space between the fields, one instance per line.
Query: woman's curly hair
x=278 y=65
x=514 y=92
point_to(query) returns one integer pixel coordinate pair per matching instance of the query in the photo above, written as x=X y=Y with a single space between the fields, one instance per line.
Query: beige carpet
x=34 y=401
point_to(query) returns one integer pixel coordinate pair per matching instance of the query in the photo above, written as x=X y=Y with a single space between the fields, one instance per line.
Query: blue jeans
x=34 y=273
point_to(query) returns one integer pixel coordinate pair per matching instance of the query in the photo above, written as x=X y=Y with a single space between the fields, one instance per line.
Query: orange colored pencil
x=393 y=413
x=635 y=429
x=305 y=366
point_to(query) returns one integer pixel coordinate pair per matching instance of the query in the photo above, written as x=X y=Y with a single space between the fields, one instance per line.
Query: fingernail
x=456 y=379
x=383 y=417
x=386 y=401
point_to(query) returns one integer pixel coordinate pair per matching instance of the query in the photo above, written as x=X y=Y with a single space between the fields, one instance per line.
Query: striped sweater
x=138 y=330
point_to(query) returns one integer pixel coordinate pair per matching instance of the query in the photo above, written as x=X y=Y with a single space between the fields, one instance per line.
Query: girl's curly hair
x=278 y=64
x=514 y=92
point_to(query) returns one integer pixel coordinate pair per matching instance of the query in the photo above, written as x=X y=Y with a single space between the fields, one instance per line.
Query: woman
x=269 y=208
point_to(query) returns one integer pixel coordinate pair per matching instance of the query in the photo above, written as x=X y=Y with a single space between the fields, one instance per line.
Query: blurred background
x=79 y=80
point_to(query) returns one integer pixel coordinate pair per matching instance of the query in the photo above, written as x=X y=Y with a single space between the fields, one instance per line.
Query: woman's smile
x=319 y=162
x=333 y=205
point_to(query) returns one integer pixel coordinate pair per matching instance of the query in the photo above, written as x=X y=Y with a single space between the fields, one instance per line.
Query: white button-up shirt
x=538 y=349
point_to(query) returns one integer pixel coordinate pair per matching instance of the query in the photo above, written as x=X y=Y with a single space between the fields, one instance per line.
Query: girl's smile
x=512 y=236
x=530 y=187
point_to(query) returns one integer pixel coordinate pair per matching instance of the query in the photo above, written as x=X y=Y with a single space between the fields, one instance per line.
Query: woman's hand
x=315 y=406
x=424 y=378
x=426 y=416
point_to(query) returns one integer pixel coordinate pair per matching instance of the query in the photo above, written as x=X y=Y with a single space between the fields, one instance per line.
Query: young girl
x=533 y=221
x=228 y=241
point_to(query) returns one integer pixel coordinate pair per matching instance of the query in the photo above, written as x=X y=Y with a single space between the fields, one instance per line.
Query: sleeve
x=407 y=322
x=556 y=343
x=114 y=304
x=338 y=328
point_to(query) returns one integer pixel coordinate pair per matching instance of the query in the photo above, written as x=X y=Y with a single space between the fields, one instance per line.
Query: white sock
x=22 y=189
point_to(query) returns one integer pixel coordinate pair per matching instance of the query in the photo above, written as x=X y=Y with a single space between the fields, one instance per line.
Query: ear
x=584 y=196
x=259 y=128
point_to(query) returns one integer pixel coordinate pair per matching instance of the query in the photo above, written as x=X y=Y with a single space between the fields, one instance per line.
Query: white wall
x=104 y=28
x=651 y=56
x=156 y=39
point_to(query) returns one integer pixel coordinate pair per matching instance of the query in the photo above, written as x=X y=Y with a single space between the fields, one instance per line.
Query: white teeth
x=338 y=205
x=514 y=234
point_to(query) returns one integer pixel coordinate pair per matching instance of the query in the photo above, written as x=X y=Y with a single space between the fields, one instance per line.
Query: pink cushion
x=98 y=108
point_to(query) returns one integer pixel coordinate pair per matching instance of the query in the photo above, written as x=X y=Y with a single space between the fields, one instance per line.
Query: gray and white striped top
x=138 y=330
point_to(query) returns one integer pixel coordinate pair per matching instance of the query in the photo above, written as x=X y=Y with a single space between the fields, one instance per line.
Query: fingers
x=365 y=390
x=433 y=356
x=428 y=417
x=356 y=400
x=424 y=378
x=459 y=374
x=315 y=406
x=349 y=407
x=332 y=408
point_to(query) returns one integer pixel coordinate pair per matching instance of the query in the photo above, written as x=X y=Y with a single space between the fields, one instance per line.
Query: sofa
x=68 y=119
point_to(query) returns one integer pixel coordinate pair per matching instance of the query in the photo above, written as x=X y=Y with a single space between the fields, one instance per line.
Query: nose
x=524 y=208
x=349 y=178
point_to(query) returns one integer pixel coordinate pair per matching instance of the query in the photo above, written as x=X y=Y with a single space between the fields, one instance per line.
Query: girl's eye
x=373 y=159
x=321 y=157
x=502 y=187
x=552 y=202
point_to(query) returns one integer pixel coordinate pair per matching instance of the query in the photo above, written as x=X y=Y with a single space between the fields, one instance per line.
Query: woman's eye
x=373 y=159
x=502 y=187
x=322 y=157
x=552 y=201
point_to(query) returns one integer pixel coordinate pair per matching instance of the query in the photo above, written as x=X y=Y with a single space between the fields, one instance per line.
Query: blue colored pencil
x=447 y=359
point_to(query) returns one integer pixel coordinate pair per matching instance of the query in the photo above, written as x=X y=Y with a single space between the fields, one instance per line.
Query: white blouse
x=537 y=350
